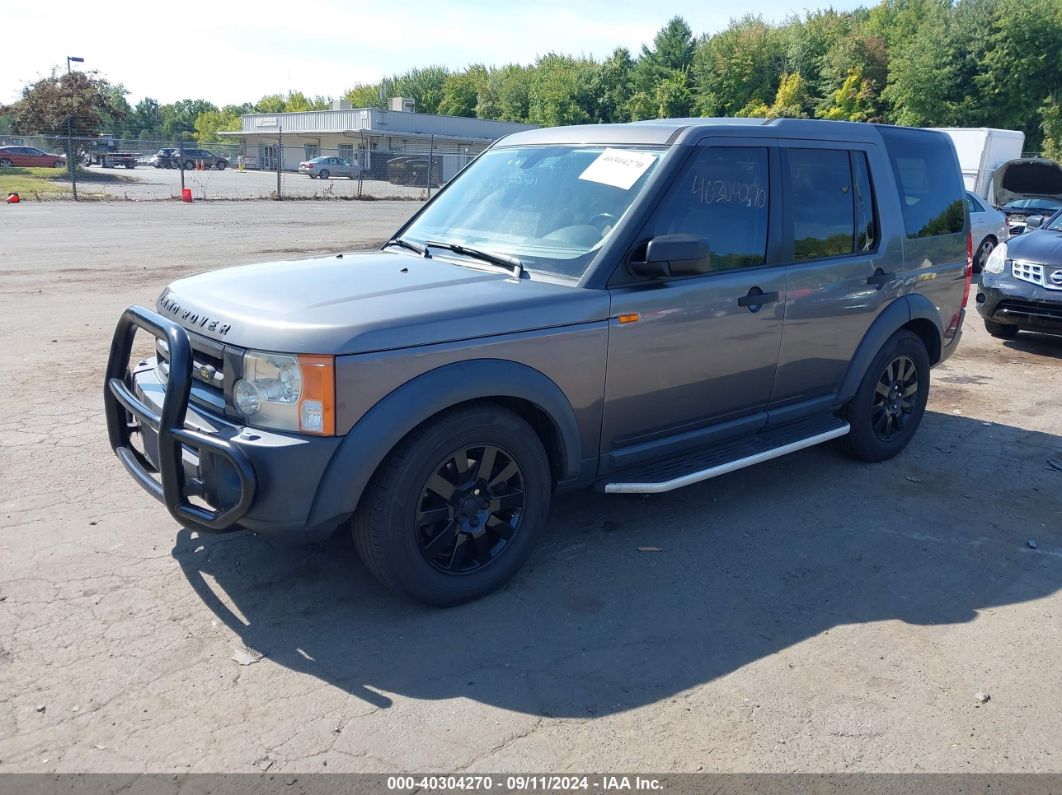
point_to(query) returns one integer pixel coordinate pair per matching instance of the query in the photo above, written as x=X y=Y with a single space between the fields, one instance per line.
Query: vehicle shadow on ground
x=1038 y=344
x=730 y=572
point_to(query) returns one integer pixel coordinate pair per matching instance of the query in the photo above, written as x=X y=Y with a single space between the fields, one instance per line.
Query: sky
x=234 y=52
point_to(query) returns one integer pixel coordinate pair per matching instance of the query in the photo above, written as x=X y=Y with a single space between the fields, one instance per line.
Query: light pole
x=69 y=133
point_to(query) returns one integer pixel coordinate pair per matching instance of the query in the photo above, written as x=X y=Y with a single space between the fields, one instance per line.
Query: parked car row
x=174 y=157
x=403 y=170
x=29 y=157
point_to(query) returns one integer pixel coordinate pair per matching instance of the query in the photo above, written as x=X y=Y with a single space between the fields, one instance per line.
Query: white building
x=368 y=136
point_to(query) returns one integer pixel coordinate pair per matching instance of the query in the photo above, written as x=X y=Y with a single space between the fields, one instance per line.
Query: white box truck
x=981 y=151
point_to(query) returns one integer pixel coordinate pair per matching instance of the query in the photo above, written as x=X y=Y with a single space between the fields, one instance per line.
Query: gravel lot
x=810 y=614
x=147 y=183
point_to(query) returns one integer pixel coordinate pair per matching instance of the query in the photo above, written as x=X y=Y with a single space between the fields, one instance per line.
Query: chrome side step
x=747 y=455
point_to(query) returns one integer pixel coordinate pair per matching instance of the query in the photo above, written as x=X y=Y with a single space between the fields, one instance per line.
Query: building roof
x=374 y=120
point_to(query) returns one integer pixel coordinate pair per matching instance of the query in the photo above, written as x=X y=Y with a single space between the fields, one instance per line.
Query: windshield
x=550 y=207
x=1056 y=224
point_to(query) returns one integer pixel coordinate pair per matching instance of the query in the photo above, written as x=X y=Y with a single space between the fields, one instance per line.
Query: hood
x=359 y=303
x=1041 y=245
x=1026 y=178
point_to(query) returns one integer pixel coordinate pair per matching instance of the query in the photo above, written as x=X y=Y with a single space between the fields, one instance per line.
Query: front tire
x=455 y=509
x=891 y=400
x=1003 y=331
x=983 y=252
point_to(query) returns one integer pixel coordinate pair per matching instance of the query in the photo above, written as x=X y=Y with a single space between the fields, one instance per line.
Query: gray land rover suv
x=633 y=307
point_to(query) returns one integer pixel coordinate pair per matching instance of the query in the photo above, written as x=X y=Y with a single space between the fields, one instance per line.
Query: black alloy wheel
x=470 y=509
x=890 y=401
x=895 y=398
x=454 y=509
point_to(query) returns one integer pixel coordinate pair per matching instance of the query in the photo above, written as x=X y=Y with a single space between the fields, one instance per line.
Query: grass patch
x=54 y=183
x=31 y=183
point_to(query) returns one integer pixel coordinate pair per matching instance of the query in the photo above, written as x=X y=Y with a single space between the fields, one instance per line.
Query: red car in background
x=29 y=157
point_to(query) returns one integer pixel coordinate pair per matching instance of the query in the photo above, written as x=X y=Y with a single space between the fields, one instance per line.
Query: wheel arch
x=912 y=312
x=518 y=387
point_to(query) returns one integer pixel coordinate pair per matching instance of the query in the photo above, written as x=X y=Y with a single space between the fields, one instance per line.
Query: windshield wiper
x=417 y=247
x=507 y=262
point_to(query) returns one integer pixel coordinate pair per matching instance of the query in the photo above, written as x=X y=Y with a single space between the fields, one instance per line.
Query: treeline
x=993 y=63
x=970 y=63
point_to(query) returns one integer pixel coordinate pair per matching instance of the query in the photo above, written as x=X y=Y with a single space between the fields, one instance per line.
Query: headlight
x=287 y=392
x=997 y=260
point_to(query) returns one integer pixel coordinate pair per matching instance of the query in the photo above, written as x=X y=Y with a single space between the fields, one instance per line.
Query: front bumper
x=212 y=475
x=1003 y=299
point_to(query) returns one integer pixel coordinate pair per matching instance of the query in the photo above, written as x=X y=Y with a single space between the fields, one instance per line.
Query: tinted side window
x=973 y=205
x=819 y=197
x=929 y=181
x=723 y=196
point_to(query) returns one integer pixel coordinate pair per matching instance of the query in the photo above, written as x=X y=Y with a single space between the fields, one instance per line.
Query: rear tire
x=323 y=174
x=5 y=163
x=435 y=525
x=1003 y=331
x=891 y=400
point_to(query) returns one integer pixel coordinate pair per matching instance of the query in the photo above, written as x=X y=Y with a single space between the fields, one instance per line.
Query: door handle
x=879 y=279
x=757 y=298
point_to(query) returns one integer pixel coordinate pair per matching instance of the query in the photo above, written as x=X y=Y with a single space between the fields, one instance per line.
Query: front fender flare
x=400 y=411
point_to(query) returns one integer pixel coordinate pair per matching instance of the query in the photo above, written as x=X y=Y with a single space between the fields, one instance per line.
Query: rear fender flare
x=398 y=413
x=890 y=320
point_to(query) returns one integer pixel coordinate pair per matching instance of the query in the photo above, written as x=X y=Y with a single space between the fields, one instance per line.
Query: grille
x=1038 y=310
x=1035 y=273
x=208 y=365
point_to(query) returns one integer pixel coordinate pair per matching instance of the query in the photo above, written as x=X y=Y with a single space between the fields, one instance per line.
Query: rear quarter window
x=932 y=194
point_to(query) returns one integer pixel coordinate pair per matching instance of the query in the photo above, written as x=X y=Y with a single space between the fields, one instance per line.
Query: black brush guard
x=122 y=405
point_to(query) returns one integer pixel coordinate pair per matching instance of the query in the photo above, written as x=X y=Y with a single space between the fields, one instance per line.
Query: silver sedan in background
x=988 y=226
x=328 y=166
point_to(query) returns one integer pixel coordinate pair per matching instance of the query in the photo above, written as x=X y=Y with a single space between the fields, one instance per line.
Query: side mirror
x=1034 y=222
x=673 y=255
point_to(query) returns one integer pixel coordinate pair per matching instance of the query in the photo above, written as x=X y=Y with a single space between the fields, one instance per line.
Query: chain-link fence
x=60 y=167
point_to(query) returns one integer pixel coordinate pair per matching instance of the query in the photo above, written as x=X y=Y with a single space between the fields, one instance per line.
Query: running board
x=684 y=470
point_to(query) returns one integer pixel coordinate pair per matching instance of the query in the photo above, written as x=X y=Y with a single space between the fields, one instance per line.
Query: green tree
x=211 y=122
x=740 y=65
x=672 y=51
x=921 y=72
x=270 y=103
x=673 y=98
x=559 y=91
x=365 y=96
x=1051 y=126
x=1022 y=64
x=461 y=92
x=506 y=94
x=790 y=101
x=853 y=101
x=82 y=102
x=612 y=86
x=424 y=86
x=641 y=106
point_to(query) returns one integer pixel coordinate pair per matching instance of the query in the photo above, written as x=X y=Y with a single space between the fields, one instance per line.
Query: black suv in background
x=1021 y=284
x=173 y=157
x=633 y=308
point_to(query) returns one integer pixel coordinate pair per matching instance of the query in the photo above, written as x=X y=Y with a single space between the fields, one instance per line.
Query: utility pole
x=69 y=130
